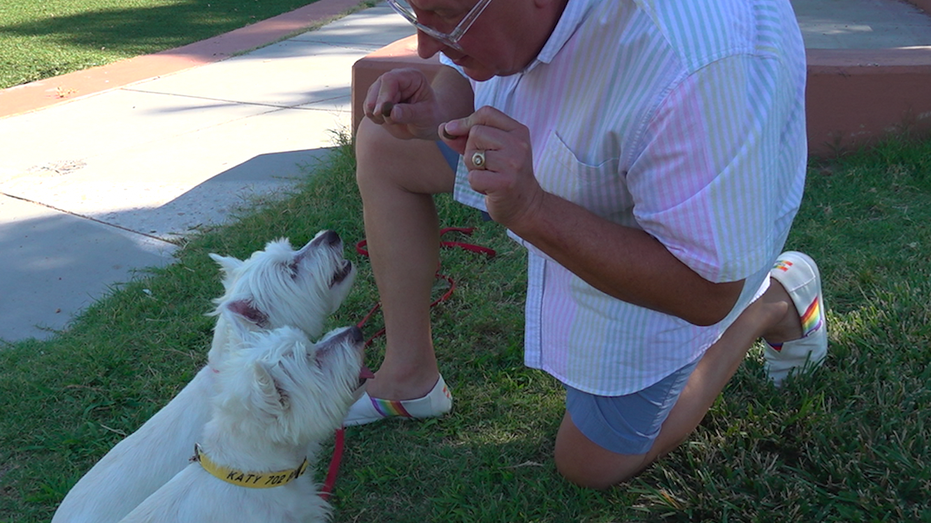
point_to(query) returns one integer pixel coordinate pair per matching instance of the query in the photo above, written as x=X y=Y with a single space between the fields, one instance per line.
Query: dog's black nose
x=356 y=334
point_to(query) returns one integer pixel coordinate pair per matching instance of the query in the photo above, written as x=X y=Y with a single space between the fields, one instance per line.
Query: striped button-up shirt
x=682 y=118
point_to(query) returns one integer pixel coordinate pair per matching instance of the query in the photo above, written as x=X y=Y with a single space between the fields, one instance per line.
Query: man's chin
x=479 y=74
x=468 y=65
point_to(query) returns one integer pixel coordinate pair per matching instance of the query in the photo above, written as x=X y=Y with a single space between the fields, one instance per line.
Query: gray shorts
x=627 y=424
x=452 y=157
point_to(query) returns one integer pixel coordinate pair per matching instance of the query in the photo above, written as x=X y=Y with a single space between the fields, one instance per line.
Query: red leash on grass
x=327 y=490
x=339 y=445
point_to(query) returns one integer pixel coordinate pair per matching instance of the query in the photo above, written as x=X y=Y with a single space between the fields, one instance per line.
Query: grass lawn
x=850 y=443
x=41 y=39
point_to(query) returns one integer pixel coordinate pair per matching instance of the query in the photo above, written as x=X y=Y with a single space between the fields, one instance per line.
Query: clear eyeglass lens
x=449 y=39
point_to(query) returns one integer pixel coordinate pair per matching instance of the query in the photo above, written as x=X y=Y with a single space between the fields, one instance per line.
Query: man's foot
x=369 y=410
x=798 y=274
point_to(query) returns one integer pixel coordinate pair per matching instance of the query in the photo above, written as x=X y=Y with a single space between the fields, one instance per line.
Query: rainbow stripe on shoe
x=782 y=265
x=389 y=408
x=812 y=319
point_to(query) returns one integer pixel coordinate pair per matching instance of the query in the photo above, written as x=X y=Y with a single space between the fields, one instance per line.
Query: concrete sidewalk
x=863 y=24
x=93 y=189
x=98 y=187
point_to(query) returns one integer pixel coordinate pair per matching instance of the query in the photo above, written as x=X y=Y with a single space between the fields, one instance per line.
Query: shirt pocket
x=598 y=187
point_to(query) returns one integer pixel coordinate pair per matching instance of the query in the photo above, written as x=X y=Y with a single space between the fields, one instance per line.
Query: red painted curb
x=924 y=5
x=61 y=89
x=856 y=97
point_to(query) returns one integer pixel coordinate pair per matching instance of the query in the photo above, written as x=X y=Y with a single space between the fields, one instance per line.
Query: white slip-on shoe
x=798 y=273
x=367 y=409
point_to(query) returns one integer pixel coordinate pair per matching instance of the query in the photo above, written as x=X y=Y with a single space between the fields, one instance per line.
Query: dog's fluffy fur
x=274 y=400
x=275 y=287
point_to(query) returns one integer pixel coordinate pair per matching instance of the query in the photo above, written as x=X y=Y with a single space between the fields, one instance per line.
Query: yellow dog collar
x=248 y=479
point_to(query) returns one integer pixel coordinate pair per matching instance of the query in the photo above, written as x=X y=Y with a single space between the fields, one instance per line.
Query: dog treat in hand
x=386 y=109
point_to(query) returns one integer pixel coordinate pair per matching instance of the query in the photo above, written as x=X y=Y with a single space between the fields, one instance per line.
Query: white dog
x=275 y=287
x=275 y=399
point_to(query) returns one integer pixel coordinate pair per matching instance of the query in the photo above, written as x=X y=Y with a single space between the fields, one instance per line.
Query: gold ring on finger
x=478 y=159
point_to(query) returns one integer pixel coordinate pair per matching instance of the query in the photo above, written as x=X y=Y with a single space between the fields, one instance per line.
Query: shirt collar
x=572 y=17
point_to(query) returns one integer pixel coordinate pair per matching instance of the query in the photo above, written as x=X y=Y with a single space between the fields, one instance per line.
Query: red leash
x=327 y=490
x=360 y=248
x=339 y=445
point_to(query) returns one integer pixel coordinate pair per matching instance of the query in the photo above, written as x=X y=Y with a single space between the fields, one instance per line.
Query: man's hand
x=403 y=101
x=503 y=170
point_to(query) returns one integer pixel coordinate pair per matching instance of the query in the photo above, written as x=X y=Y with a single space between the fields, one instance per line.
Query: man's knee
x=417 y=166
x=588 y=465
x=372 y=142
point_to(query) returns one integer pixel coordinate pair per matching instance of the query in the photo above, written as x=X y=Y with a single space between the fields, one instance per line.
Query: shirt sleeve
x=718 y=179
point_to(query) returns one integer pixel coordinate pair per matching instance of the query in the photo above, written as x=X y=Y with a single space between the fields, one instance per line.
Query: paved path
x=94 y=188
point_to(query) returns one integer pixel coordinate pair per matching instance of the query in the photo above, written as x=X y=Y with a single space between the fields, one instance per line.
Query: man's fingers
x=386 y=109
x=485 y=116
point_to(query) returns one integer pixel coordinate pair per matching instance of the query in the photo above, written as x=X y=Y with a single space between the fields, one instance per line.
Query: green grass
x=41 y=39
x=850 y=443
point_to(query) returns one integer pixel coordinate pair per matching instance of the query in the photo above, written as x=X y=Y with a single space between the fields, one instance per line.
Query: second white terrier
x=275 y=287
x=275 y=399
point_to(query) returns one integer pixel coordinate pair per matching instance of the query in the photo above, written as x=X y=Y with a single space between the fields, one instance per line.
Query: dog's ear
x=241 y=325
x=227 y=264
x=271 y=398
x=242 y=317
x=246 y=311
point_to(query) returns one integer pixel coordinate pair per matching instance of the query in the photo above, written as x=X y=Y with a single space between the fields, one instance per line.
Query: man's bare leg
x=773 y=316
x=397 y=180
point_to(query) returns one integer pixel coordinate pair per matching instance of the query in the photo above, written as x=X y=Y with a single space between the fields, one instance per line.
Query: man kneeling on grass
x=650 y=156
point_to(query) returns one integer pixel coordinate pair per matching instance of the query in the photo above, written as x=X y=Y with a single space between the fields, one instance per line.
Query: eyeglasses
x=449 y=39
